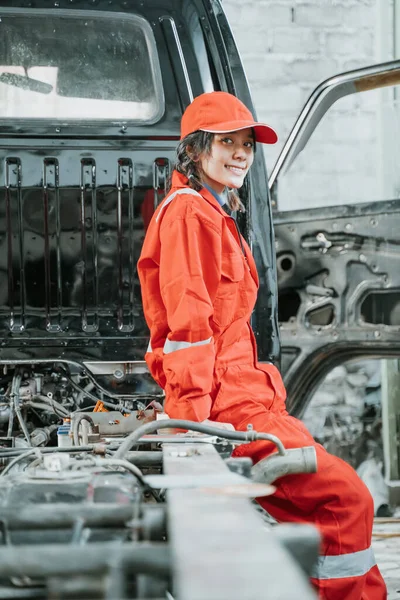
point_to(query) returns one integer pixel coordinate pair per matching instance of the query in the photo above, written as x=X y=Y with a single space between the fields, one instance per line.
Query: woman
x=199 y=285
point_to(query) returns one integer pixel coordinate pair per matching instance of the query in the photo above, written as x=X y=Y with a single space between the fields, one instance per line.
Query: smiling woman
x=199 y=286
x=198 y=277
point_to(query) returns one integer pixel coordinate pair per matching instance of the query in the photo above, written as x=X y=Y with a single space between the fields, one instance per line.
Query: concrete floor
x=387 y=554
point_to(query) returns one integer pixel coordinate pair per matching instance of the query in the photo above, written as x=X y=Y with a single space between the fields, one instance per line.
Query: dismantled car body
x=337 y=263
x=91 y=96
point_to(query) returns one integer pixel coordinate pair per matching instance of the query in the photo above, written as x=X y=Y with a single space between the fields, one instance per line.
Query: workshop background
x=288 y=47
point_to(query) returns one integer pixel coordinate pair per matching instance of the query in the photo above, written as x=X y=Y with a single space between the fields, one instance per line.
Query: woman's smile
x=235 y=169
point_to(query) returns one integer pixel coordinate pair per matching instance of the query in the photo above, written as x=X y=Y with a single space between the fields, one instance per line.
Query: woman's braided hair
x=187 y=163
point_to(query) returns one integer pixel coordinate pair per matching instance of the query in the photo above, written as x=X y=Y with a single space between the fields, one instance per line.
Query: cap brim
x=263 y=132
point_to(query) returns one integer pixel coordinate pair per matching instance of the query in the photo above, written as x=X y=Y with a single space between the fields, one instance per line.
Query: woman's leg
x=335 y=500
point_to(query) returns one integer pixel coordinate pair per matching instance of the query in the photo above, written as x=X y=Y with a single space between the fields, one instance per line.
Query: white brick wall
x=289 y=46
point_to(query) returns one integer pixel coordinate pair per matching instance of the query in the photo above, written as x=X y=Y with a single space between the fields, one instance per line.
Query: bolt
x=118 y=374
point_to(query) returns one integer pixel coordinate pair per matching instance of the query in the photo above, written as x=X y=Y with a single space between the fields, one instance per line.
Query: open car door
x=336 y=195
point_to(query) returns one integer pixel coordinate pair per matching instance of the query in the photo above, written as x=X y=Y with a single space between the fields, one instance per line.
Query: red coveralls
x=198 y=293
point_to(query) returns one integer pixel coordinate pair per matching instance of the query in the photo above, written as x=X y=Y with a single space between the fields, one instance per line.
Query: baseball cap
x=220 y=112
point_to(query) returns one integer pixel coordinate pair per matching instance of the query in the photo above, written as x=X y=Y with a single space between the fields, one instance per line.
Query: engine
x=37 y=401
x=103 y=497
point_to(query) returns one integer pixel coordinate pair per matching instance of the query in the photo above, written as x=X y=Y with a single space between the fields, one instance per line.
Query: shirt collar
x=221 y=199
x=178 y=181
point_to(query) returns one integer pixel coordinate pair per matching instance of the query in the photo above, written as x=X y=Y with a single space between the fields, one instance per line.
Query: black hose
x=22 y=423
x=238 y=436
x=117 y=397
x=11 y=419
x=16 y=383
x=15 y=460
x=142 y=458
x=63 y=364
x=89 y=395
x=52 y=410
x=56 y=406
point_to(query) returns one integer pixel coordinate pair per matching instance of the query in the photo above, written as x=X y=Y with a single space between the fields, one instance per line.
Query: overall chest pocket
x=227 y=303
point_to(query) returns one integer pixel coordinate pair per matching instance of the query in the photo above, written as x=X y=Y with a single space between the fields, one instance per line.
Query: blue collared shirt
x=220 y=199
x=223 y=201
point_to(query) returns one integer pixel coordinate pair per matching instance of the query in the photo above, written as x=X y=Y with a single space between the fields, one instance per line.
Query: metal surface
x=226 y=482
x=302 y=541
x=113 y=423
x=76 y=199
x=224 y=556
x=338 y=300
x=73 y=559
x=336 y=266
x=65 y=515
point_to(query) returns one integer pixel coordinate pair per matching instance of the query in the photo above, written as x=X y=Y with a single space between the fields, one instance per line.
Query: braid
x=187 y=162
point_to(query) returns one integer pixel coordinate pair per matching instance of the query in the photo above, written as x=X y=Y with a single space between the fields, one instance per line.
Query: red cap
x=220 y=112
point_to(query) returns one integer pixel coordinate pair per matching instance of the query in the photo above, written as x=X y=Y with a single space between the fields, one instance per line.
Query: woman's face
x=231 y=157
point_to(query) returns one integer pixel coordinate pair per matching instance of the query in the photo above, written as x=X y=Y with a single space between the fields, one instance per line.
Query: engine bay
x=103 y=496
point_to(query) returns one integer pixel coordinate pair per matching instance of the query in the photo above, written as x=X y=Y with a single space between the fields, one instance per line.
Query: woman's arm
x=190 y=271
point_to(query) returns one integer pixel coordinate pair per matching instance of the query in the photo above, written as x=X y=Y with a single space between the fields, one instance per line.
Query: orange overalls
x=198 y=290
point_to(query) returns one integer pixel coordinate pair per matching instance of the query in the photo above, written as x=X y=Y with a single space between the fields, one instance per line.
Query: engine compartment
x=36 y=399
x=53 y=493
x=102 y=496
